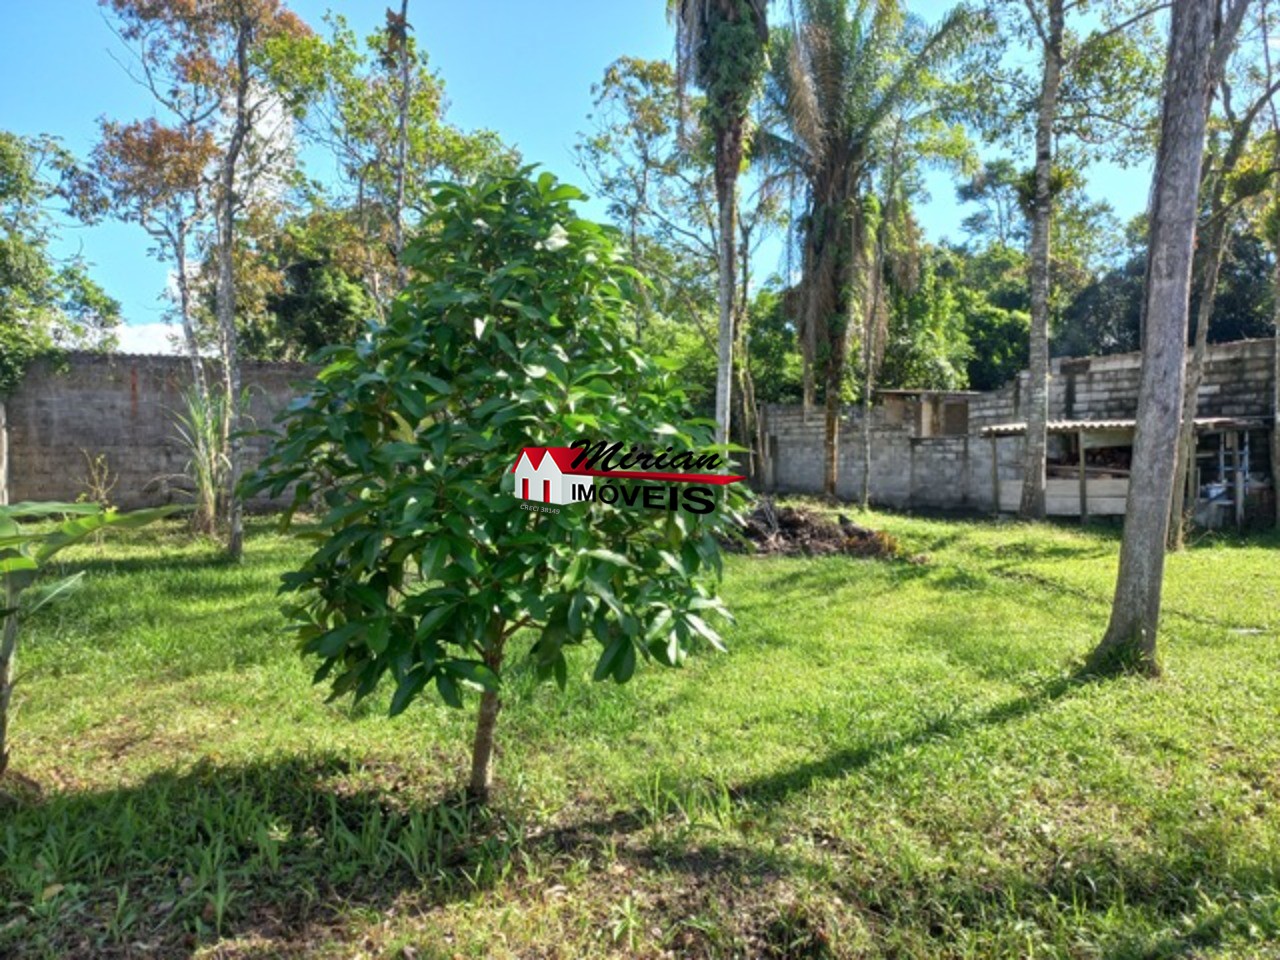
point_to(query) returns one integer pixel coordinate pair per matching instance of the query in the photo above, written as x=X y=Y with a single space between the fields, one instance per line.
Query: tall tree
x=721 y=46
x=658 y=182
x=382 y=117
x=843 y=78
x=254 y=59
x=398 y=57
x=157 y=176
x=1050 y=29
x=45 y=302
x=1271 y=228
x=1198 y=34
x=1226 y=192
x=1098 y=80
x=894 y=256
x=657 y=175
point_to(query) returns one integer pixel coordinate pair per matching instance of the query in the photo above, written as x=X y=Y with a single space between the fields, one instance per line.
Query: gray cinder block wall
x=121 y=407
x=942 y=473
x=954 y=472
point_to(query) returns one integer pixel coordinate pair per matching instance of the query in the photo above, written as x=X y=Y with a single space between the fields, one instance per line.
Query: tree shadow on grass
x=822 y=575
x=1085 y=897
x=777 y=787
x=261 y=851
x=211 y=557
x=273 y=858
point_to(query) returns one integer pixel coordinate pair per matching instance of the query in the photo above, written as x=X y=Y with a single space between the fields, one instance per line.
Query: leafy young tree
x=1196 y=38
x=509 y=335
x=721 y=45
x=44 y=303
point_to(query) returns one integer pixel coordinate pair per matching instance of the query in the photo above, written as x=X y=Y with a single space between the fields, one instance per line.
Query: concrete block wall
x=955 y=472
x=124 y=408
x=942 y=473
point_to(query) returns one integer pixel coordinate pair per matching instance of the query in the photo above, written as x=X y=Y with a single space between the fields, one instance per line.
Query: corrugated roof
x=1203 y=424
x=930 y=393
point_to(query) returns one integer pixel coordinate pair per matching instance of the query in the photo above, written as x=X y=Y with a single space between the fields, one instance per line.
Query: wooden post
x=995 y=474
x=1084 y=481
x=1239 y=483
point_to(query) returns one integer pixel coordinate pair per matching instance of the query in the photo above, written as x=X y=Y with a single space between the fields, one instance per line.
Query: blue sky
x=522 y=69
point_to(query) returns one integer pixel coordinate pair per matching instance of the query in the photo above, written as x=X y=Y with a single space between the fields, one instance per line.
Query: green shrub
x=509 y=335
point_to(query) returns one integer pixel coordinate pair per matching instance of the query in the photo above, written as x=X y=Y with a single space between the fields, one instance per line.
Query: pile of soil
x=793 y=531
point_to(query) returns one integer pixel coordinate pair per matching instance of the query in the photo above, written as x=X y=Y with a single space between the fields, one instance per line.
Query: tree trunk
x=749 y=412
x=1275 y=321
x=831 y=433
x=728 y=157
x=840 y=281
x=402 y=143
x=481 y=781
x=1033 y=467
x=368 y=230
x=869 y=356
x=808 y=349
x=1184 y=472
x=184 y=312
x=1275 y=393
x=8 y=658
x=1130 y=640
x=226 y=291
x=1211 y=251
x=482 y=749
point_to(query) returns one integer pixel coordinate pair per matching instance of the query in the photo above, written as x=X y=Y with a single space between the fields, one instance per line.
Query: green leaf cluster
x=45 y=303
x=509 y=334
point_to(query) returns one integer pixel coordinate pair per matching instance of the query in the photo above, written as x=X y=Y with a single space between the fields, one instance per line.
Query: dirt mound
x=792 y=531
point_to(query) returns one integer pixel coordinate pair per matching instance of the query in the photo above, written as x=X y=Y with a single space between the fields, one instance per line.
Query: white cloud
x=148 y=338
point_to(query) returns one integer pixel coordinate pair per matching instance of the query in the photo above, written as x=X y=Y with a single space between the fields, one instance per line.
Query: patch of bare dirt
x=794 y=531
x=17 y=789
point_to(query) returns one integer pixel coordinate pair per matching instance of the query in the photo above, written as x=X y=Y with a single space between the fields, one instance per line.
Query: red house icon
x=546 y=474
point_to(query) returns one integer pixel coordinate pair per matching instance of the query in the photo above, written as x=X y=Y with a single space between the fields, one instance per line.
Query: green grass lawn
x=892 y=760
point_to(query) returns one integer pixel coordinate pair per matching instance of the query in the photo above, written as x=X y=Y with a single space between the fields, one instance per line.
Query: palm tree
x=720 y=46
x=845 y=79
